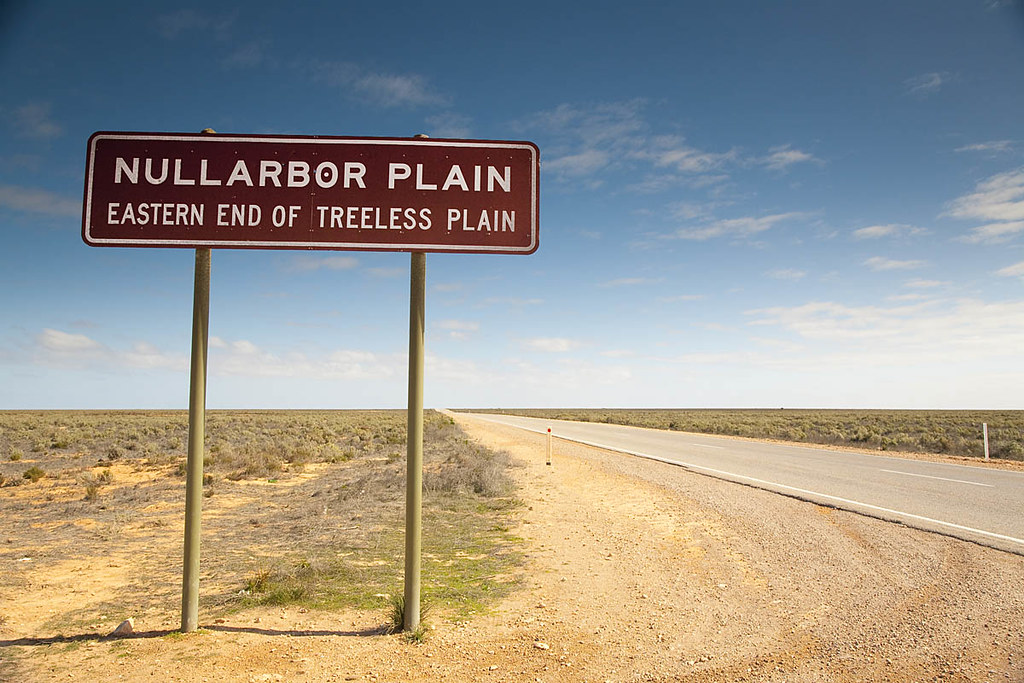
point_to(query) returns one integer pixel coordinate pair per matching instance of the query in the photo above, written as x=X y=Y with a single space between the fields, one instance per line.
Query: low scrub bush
x=466 y=467
x=34 y=474
x=1009 y=450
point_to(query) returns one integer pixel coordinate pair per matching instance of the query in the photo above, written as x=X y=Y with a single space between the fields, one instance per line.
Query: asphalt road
x=977 y=504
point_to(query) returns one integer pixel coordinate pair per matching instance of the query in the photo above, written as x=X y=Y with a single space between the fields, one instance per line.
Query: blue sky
x=743 y=204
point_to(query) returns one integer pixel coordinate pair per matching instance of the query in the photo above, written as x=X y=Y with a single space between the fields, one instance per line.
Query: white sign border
x=311 y=246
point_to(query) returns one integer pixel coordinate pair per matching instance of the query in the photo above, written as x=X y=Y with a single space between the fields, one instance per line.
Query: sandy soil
x=636 y=571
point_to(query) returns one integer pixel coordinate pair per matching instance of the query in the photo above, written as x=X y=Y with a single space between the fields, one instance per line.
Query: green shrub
x=1010 y=450
x=34 y=474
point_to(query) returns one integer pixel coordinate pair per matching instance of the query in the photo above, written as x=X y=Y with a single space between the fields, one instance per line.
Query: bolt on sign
x=311 y=192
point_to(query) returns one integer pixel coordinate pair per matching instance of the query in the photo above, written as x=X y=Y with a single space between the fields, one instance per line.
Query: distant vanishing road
x=972 y=503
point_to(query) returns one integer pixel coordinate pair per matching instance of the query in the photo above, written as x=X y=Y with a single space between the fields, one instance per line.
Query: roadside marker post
x=414 y=195
x=549 y=445
x=984 y=434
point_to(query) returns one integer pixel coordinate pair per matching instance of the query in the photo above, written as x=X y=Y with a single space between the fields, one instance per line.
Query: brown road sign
x=300 y=192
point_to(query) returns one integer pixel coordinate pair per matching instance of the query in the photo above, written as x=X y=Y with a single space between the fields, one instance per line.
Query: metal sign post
x=414 y=444
x=196 y=439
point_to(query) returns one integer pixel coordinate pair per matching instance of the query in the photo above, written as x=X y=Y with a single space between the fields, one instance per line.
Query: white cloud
x=185 y=21
x=781 y=158
x=672 y=151
x=883 y=263
x=523 y=381
x=659 y=182
x=65 y=342
x=354 y=364
x=34 y=200
x=243 y=358
x=146 y=356
x=582 y=163
x=782 y=345
x=310 y=263
x=735 y=227
x=247 y=55
x=382 y=89
x=387 y=272
x=790 y=274
x=889 y=230
x=629 y=282
x=997 y=198
x=926 y=84
x=587 y=141
x=34 y=121
x=1016 y=270
x=460 y=372
x=600 y=125
x=56 y=347
x=618 y=353
x=595 y=138
x=450 y=125
x=706 y=358
x=173 y=24
x=510 y=301
x=712 y=327
x=460 y=325
x=689 y=211
x=550 y=344
x=956 y=331
x=993 y=233
x=924 y=284
x=393 y=90
x=447 y=287
x=995 y=146
x=458 y=329
x=243 y=346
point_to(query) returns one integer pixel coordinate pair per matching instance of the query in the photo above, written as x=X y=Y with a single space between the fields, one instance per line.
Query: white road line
x=927 y=476
x=770 y=485
x=774 y=444
x=704 y=445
